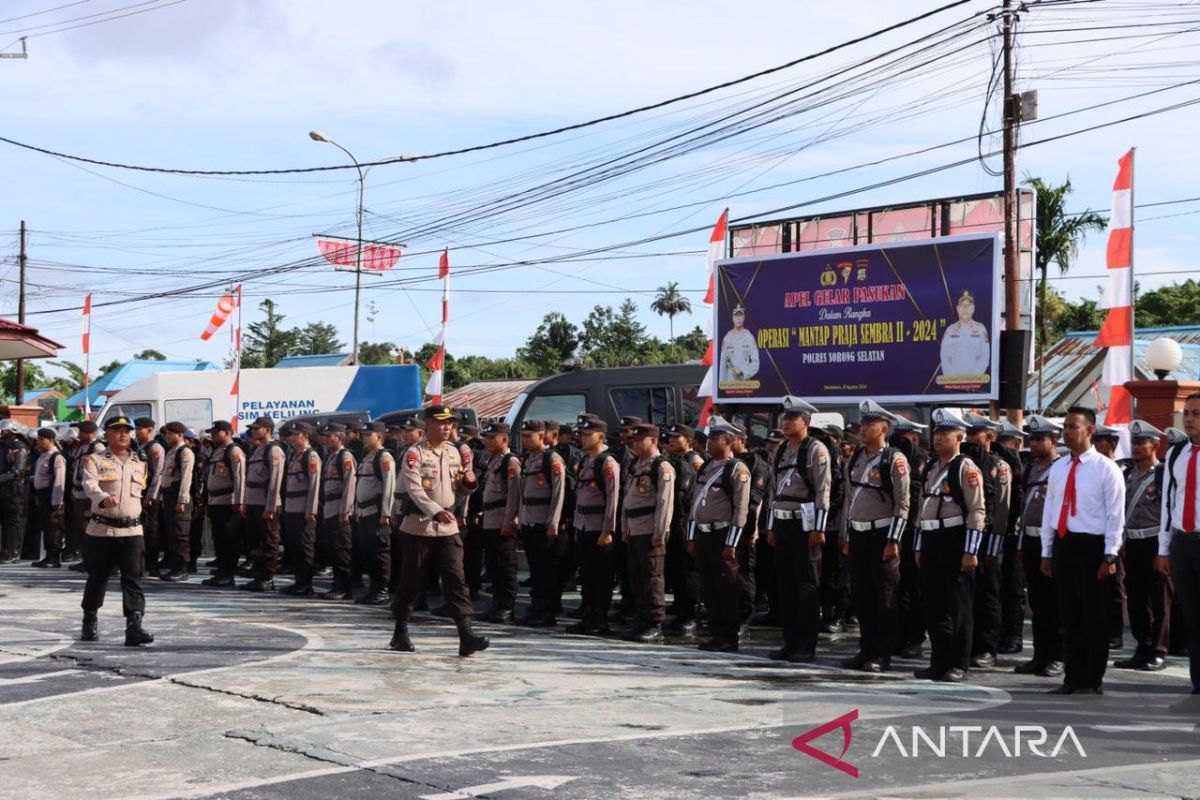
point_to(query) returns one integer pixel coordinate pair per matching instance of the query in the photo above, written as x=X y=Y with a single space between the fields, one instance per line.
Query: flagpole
x=87 y=356
x=1132 y=281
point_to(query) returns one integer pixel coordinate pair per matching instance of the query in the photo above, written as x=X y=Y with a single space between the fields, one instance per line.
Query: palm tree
x=670 y=301
x=1059 y=235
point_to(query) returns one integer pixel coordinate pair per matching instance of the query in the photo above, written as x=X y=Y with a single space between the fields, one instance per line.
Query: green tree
x=35 y=378
x=74 y=380
x=615 y=338
x=316 y=339
x=669 y=302
x=1178 y=304
x=1059 y=235
x=109 y=367
x=150 y=355
x=554 y=341
x=376 y=353
x=267 y=340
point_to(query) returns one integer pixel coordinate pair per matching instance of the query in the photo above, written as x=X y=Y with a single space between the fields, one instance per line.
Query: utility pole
x=1012 y=244
x=20 y=393
x=22 y=54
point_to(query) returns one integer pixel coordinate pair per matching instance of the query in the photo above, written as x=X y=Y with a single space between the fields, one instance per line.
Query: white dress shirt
x=1174 y=520
x=1099 y=501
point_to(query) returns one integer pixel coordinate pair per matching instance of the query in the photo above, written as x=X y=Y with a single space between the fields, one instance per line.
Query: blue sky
x=237 y=84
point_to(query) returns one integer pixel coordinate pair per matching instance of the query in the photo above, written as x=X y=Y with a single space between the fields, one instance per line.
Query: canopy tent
x=21 y=341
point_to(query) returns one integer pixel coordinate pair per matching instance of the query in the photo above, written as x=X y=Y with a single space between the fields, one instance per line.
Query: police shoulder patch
x=412 y=459
x=900 y=464
x=514 y=469
x=973 y=478
x=556 y=466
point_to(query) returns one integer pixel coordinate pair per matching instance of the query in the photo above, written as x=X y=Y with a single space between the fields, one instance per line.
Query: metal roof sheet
x=490 y=399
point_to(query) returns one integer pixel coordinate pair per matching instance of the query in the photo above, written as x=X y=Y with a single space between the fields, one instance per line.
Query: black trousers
x=1149 y=596
x=567 y=568
x=151 y=523
x=106 y=552
x=719 y=585
x=502 y=555
x=747 y=555
x=835 y=574
x=262 y=539
x=51 y=523
x=542 y=553
x=1185 y=574
x=445 y=554
x=645 y=565
x=196 y=531
x=948 y=593
x=681 y=574
x=620 y=573
x=988 y=613
x=766 y=586
x=31 y=544
x=300 y=538
x=873 y=583
x=226 y=527
x=1043 y=604
x=79 y=512
x=473 y=547
x=338 y=540
x=910 y=611
x=798 y=577
x=11 y=530
x=177 y=525
x=375 y=543
x=596 y=572
x=1012 y=594
x=1116 y=600
x=396 y=557
x=1084 y=604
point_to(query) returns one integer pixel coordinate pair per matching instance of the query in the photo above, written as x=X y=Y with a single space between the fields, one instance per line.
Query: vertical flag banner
x=224 y=308
x=1117 y=332
x=235 y=390
x=437 y=363
x=716 y=252
x=86 y=339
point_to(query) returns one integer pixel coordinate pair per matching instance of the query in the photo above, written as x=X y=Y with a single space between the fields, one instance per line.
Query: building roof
x=21 y=341
x=325 y=360
x=490 y=399
x=1068 y=370
x=35 y=394
x=130 y=373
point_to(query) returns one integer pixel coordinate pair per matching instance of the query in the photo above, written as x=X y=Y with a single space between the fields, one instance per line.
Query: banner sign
x=905 y=321
x=343 y=254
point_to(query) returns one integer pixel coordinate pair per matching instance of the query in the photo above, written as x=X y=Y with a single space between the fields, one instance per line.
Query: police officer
x=501 y=502
x=680 y=565
x=1106 y=440
x=151 y=451
x=14 y=462
x=1009 y=442
x=435 y=480
x=225 y=486
x=1148 y=591
x=760 y=473
x=338 y=489
x=301 y=500
x=835 y=568
x=114 y=481
x=1043 y=599
x=473 y=540
x=374 y=498
x=997 y=476
x=718 y=518
x=648 y=506
x=797 y=515
x=877 y=503
x=49 y=486
x=949 y=534
x=264 y=490
x=1179 y=537
x=910 y=635
x=572 y=456
x=624 y=456
x=411 y=431
x=597 y=498
x=543 y=490
x=175 y=491
x=77 y=517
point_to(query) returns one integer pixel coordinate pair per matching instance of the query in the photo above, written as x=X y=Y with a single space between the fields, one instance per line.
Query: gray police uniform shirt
x=374 y=487
x=939 y=506
x=596 y=495
x=50 y=472
x=788 y=491
x=1036 y=480
x=867 y=503
x=338 y=483
x=153 y=454
x=225 y=476
x=712 y=505
x=542 y=500
x=123 y=477
x=1003 y=508
x=501 y=491
x=434 y=478
x=302 y=482
x=1143 y=504
x=647 y=510
x=179 y=480
x=264 y=479
x=77 y=492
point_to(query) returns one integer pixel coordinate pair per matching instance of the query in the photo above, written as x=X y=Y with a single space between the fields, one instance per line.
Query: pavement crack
x=245 y=696
x=1115 y=785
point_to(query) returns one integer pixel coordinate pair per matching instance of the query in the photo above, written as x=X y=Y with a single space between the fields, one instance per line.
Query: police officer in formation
x=375 y=504
x=338 y=490
x=49 y=493
x=543 y=490
x=501 y=503
x=225 y=484
x=14 y=466
x=647 y=508
x=1147 y=590
x=597 y=496
x=1043 y=600
x=264 y=500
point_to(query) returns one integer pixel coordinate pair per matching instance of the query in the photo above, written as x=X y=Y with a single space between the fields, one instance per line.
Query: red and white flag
x=86 y=341
x=235 y=390
x=437 y=364
x=716 y=251
x=344 y=253
x=1117 y=332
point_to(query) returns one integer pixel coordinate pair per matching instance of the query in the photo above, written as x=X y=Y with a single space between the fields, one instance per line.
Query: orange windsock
x=224 y=309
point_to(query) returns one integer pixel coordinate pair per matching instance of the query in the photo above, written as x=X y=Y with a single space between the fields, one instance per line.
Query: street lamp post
x=317 y=136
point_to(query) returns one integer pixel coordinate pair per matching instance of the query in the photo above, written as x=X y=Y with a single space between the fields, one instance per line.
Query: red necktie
x=1189 y=493
x=1068 y=501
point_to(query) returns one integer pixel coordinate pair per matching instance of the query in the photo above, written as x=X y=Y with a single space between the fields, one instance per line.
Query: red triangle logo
x=801 y=743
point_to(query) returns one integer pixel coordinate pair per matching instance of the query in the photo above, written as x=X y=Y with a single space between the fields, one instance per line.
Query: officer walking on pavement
x=375 y=490
x=338 y=488
x=719 y=511
x=877 y=481
x=649 y=504
x=436 y=480
x=596 y=501
x=501 y=501
x=175 y=490
x=264 y=489
x=49 y=488
x=797 y=515
x=947 y=540
x=114 y=481
x=1147 y=590
x=225 y=481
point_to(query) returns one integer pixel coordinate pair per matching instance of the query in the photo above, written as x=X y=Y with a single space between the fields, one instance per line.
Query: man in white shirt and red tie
x=1082 y=528
x=1179 y=541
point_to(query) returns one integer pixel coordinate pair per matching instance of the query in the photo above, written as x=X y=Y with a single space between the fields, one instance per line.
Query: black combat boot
x=91 y=630
x=468 y=642
x=135 y=634
x=400 y=641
